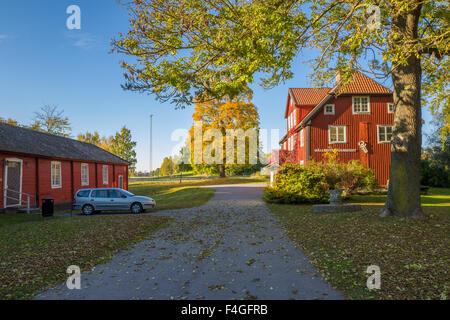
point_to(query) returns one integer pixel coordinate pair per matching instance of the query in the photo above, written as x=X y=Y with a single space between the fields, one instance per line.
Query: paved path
x=231 y=248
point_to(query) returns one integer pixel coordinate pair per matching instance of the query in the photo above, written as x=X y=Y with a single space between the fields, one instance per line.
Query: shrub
x=433 y=174
x=349 y=176
x=297 y=184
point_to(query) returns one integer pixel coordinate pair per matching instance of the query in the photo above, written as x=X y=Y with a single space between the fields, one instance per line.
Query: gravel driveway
x=231 y=248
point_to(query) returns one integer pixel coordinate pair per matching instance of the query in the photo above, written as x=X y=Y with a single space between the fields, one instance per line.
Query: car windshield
x=128 y=194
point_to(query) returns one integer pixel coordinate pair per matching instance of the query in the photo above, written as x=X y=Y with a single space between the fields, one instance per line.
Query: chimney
x=338 y=77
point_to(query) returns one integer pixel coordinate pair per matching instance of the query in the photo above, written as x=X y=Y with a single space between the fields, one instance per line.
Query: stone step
x=24 y=210
x=20 y=209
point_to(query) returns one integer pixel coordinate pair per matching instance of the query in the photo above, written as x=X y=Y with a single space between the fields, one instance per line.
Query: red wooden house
x=36 y=165
x=356 y=119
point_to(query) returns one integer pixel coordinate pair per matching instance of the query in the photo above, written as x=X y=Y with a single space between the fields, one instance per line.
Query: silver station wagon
x=90 y=201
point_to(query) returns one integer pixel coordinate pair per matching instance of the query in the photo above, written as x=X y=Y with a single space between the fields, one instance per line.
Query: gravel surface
x=231 y=248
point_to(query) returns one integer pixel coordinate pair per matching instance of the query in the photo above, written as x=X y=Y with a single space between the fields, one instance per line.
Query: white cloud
x=82 y=40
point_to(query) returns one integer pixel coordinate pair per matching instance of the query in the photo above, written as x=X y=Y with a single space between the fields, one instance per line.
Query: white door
x=13 y=183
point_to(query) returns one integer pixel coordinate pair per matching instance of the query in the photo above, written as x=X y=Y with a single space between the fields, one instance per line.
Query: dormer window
x=328 y=109
x=361 y=105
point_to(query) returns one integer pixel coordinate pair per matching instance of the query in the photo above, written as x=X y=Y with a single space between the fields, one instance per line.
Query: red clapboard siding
x=378 y=155
x=36 y=177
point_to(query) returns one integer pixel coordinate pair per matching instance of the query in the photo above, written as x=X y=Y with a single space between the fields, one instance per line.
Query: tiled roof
x=362 y=84
x=25 y=141
x=308 y=96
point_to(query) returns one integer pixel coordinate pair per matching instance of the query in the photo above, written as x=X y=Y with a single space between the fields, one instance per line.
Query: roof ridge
x=61 y=138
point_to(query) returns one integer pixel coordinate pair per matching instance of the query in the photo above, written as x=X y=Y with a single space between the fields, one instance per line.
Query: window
x=56 y=175
x=83 y=194
x=361 y=105
x=105 y=174
x=329 y=109
x=84 y=174
x=337 y=134
x=302 y=163
x=390 y=108
x=120 y=181
x=116 y=194
x=291 y=143
x=294 y=118
x=302 y=138
x=384 y=134
x=100 y=194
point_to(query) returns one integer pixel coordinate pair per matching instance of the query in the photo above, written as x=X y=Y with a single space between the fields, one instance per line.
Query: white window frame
x=337 y=134
x=384 y=127
x=325 y=109
x=120 y=177
x=105 y=178
x=294 y=118
x=361 y=112
x=84 y=174
x=53 y=175
x=302 y=138
x=389 y=109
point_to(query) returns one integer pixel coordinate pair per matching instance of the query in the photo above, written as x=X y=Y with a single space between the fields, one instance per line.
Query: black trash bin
x=48 y=207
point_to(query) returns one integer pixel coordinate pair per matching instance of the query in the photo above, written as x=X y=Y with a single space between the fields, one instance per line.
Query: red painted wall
x=379 y=155
x=36 y=177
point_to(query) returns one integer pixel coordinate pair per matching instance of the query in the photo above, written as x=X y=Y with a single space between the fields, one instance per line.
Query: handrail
x=21 y=194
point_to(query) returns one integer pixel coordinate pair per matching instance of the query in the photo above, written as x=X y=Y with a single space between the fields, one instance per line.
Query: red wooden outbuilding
x=356 y=119
x=36 y=165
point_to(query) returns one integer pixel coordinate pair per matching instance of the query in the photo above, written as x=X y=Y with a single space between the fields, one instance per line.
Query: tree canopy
x=186 y=50
x=190 y=47
x=121 y=144
x=224 y=115
x=51 y=120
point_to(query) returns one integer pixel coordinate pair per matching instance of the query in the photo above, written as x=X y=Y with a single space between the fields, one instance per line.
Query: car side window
x=114 y=194
x=100 y=194
x=83 y=194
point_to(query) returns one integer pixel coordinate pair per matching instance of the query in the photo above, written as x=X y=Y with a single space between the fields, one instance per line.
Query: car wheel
x=88 y=210
x=136 y=208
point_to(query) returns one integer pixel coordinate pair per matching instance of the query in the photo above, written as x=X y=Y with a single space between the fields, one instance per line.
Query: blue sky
x=42 y=62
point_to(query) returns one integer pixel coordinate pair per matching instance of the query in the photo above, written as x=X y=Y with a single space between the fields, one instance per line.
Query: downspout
x=96 y=175
x=37 y=183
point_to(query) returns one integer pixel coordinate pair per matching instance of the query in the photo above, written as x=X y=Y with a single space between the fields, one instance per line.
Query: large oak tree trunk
x=404 y=183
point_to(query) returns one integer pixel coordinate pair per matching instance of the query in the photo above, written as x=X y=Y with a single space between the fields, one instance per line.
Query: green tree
x=191 y=47
x=167 y=167
x=92 y=138
x=436 y=158
x=181 y=165
x=122 y=145
x=51 y=120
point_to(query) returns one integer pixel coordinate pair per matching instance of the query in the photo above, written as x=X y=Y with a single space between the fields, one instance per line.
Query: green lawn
x=436 y=197
x=35 y=255
x=14 y=218
x=173 y=197
x=413 y=255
